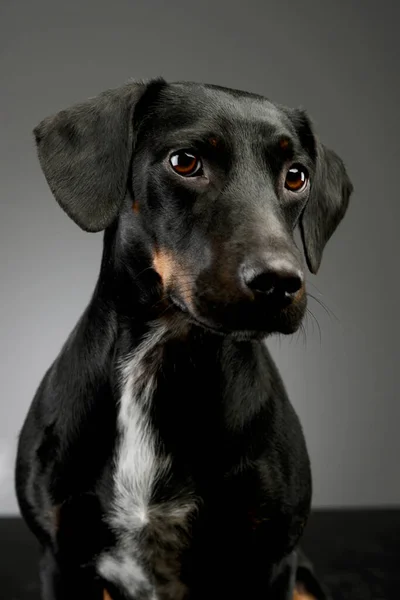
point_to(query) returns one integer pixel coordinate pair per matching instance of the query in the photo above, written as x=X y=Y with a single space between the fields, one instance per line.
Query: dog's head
x=216 y=181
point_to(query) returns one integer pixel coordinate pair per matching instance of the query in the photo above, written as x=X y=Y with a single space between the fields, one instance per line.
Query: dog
x=161 y=457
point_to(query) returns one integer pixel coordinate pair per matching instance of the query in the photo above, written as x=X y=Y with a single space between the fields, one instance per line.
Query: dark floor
x=356 y=553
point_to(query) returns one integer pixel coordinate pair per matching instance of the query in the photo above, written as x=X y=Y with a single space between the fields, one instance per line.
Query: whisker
x=318 y=325
x=144 y=270
x=314 y=286
x=328 y=311
x=302 y=332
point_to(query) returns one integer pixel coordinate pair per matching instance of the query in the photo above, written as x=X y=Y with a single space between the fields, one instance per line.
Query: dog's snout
x=278 y=277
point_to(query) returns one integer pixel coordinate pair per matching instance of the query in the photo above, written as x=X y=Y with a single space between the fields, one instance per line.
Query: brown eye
x=186 y=163
x=296 y=178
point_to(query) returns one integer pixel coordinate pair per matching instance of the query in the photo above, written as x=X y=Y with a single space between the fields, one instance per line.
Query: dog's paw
x=300 y=593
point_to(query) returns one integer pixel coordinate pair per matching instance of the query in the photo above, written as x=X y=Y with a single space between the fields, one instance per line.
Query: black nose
x=278 y=277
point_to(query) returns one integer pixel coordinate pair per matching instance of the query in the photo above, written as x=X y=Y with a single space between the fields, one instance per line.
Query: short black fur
x=210 y=259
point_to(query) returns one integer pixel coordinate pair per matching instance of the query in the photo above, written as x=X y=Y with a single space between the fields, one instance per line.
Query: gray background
x=339 y=59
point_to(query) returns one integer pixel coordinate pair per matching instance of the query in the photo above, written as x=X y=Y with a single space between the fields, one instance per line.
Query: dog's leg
x=308 y=586
x=68 y=565
x=69 y=432
x=284 y=579
x=59 y=584
x=295 y=579
x=49 y=576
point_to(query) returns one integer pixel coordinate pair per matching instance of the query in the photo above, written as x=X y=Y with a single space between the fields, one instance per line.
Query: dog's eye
x=186 y=163
x=296 y=178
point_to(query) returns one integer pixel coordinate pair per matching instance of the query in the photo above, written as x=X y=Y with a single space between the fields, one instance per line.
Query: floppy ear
x=326 y=206
x=85 y=153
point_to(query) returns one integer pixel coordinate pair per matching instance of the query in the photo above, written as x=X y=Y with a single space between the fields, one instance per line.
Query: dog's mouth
x=285 y=321
x=181 y=306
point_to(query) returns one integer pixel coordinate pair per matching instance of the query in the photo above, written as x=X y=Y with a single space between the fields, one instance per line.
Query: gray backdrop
x=339 y=59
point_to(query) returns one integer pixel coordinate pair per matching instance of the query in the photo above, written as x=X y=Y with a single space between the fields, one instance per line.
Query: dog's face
x=216 y=181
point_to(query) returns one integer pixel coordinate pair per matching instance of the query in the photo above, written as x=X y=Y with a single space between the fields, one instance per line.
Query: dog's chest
x=150 y=534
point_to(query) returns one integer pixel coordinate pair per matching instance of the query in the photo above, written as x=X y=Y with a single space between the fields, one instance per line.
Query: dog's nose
x=277 y=277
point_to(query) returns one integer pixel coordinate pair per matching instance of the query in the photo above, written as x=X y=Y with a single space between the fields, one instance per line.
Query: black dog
x=161 y=457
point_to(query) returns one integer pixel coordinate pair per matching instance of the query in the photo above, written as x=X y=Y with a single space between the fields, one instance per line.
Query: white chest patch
x=139 y=466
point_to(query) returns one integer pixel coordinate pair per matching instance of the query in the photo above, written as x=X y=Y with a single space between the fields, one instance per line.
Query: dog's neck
x=212 y=384
x=144 y=327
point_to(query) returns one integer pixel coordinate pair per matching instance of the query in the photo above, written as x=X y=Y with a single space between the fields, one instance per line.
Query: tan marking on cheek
x=135 y=206
x=213 y=141
x=106 y=595
x=173 y=273
x=164 y=264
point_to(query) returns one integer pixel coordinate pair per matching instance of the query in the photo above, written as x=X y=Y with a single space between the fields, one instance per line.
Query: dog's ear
x=330 y=191
x=326 y=206
x=85 y=153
